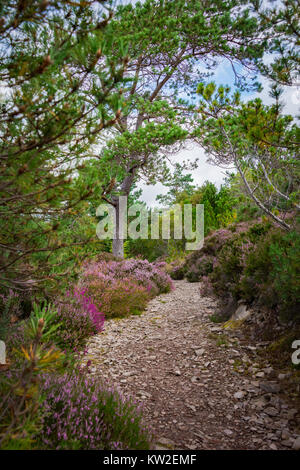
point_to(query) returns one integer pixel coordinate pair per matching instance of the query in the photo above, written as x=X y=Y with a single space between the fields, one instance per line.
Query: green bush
x=285 y=255
x=253 y=262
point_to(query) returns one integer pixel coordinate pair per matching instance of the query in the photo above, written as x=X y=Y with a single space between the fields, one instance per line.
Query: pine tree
x=53 y=55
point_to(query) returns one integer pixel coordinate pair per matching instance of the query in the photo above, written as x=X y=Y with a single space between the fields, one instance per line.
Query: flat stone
x=166 y=442
x=241 y=313
x=271 y=411
x=287 y=443
x=281 y=376
x=239 y=395
x=270 y=387
x=260 y=375
x=273 y=446
x=199 y=352
x=285 y=435
x=296 y=444
x=129 y=373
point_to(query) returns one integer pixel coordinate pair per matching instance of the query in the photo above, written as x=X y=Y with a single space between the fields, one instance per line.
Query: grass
x=215 y=318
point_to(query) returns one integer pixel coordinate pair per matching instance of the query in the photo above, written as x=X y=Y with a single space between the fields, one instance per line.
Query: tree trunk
x=118 y=241
x=118 y=248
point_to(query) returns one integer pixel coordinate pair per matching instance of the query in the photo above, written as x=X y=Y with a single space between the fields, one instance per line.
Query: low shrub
x=81 y=413
x=78 y=318
x=72 y=321
x=254 y=262
x=285 y=273
x=118 y=297
x=177 y=271
x=15 y=338
x=19 y=385
x=202 y=267
x=120 y=288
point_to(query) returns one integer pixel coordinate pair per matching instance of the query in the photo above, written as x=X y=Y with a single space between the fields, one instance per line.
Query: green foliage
x=146 y=249
x=179 y=186
x=20 y=420
x=158 y=117
x=259 y=140
x=285 y=255
x=47 y=313
x=283 y=17
x=60 y=88
x=255 y=262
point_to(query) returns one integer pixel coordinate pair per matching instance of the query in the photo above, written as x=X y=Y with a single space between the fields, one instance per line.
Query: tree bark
x=118 y=241
x=118 y=248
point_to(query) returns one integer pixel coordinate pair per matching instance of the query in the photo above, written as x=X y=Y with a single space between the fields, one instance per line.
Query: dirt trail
x=191 y=378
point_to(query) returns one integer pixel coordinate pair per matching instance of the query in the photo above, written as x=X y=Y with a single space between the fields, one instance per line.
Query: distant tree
x=179 y=184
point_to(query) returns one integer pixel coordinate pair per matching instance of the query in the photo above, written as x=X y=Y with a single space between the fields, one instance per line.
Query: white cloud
x=205 y=171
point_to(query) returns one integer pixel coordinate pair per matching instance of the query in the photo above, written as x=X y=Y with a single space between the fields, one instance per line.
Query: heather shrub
x=176 y=271
x=230 y=266
x=255 y=278
x=15 y=337
x=253 y=262
x=206 y=287
x=193 y=267
x=272 y=270
x=72 y=321
x=119 y=298
x=78 y=318
x=145 y=273
x=81 y=413
x=201 y=267
x=121 y=288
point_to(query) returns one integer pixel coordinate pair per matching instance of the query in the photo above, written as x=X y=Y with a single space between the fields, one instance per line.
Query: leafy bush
x=81 y=413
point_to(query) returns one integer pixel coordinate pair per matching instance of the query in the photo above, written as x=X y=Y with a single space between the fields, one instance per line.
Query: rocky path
x=200 y=388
